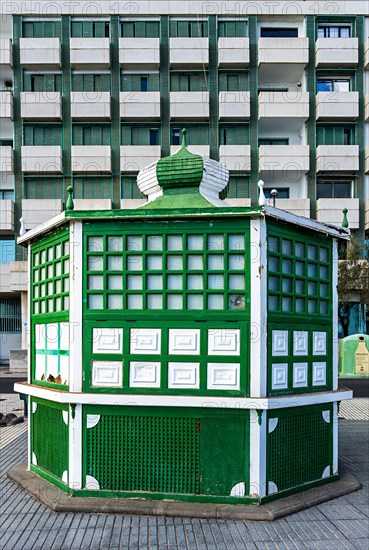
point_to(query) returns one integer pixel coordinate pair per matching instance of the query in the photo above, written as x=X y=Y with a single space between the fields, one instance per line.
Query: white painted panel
x=52 y=336
x=319 y=343
x=223 y=342
x=40 y=336
x=183 y=375
x=300 y=375
x=51 y=365
x=64 y=336
x=107 y=373
x=300 y=342
x=144 y=374
x=107 y=340
x=145 y=340
x=279 y=343
x=319 y=373
x=64 y=368
x=223 y=376
x=279 y=376
x=40 y=366
x=184 y=341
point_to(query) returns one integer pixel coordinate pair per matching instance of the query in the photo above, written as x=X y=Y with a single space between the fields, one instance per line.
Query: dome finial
x=184 y=138
x=345 y=220
x=262 y=200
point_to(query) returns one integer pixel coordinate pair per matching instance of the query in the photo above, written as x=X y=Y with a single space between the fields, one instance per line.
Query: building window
x=234 y=135
x=238 y=187
x=41 y=29
x=90 y=82
x=129 y=188
x=189 y=82
x=283 y=192
x=93 y=188
x=91 y=135
x=333 y=189
x=140 y=29
x=42 y=135
x=140 y=135
x=90 y=29
x=6 y=142
x=233 y=82
x=189 y=29
x=333 y=85
x=273 y=141
x=335 y=135
x=139 y=82
x=236 y=28
x=10 y=316
x=6 y=194
x=196 y=135
x=278 y=32
x=334 y=31
x=42 y=82
x=43 y=188
x=7 y=250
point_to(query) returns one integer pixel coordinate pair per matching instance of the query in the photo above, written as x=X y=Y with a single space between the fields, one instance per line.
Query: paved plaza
x=341 y=523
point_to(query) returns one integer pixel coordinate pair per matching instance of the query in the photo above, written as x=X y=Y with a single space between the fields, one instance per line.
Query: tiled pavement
x=341 y=523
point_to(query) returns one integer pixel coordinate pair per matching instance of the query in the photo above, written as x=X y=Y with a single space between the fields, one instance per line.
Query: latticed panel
x=144 y=453
x=299 y=449
x=50 y=440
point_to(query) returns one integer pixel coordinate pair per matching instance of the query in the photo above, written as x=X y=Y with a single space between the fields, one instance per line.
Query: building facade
x=92 y=93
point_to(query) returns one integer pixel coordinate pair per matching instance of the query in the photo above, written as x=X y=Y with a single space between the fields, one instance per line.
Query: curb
x=58 y=501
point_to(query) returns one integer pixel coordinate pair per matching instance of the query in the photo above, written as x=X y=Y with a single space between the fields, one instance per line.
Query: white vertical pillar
x=75 y=447
x=335 y=438
x=258 y=431
x=335 y=313
x=29 y=313
x=75 y=308
x=258 y=282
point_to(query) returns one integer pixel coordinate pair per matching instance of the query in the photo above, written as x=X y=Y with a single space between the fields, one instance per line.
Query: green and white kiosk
x=186 y=349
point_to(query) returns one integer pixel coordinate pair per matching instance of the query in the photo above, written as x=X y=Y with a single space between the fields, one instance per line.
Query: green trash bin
x=354 y=356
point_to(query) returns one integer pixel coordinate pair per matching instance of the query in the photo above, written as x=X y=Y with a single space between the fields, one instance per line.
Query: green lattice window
x=196 y=135
x=51 y=353
x=139 y=82
x=299 y=274
x=238 y=187
x=234 y=135
x=175 y=271
x=140 y=135
x=335 y=135
x=42 y=82
x=93 y=187
x=189 y=82
x=44 y=188
x=235 y=28
x=94 y=134
x=231 y=81
x=41 y=29
x=188 y=29
x=90 y=29
x=140 y=29
x=91 y=82
x=42 y=135
x=50 y=275
x=129 y=188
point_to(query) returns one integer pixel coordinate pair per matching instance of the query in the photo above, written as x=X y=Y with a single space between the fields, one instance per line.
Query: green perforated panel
x=49 y=438
x=299 y=448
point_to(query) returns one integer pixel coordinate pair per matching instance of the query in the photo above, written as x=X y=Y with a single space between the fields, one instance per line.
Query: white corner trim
x=75 y=309
x=75 y=448
x=257 y=454
x=238 y=490
x=92 y=484
x=92 y=420
x=335 y=313
x=326 y=472
x=335 y=438
x=272 y=424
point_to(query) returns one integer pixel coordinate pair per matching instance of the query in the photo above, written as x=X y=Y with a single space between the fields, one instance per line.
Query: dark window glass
x=273 y=141
x=334 y=189
x=334 y=31
x=275 y=32
x=333 y=85
x=283 y=192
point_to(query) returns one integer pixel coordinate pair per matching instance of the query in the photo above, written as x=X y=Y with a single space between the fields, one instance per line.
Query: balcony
x=189 y=105
x=367 y=215
x=336 y=52
x=36 y=211
x=203 y=150
x=41 y=105
x=42 y=158
x=233 y=52
x=90 y=105
x=136 y=157
x=86 y=53
x=367 y=108
x=284 y=158
x=234 y=105
x=143 y=53
x=4 y=277
x=300 y=207
x=291 y=104
x=330 y=211
x=18 y=276
x=6 y=57
x=142 y=105
x=337 y=158
x=283 y=50
x=189 y=53
x=92 y=204
x=44 y=52
x=337 y=105
x=6 y=216
x=6 y=105
x=6 y=159
x=91 y=158
x=236 y=157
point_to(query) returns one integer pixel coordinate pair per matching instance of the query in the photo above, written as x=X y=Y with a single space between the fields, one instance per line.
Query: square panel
x=319 y=373
x=300 y=375
x=107 y=340
x=319 y=343
x=52 y=336
x=64 y=368
x=279 y=343
x=279 y=376
x=40 y=336
x=223 y=342
x=184 y=375
x=52 y=365
x=300 y=342
x=184 y=341
x=107 y=374
x=64 y=336
x=144 y=374
x=145 y=340
x=223 y=376
x=40 y=366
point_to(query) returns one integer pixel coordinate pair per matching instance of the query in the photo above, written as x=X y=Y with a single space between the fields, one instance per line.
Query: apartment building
x=91 y=93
